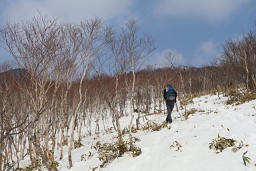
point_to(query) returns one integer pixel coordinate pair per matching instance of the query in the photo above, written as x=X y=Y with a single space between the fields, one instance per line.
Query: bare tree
x=92 y=42
x=135 y=49
x=241 y=57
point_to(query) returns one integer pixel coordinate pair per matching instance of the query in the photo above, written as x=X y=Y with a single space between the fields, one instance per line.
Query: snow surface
x=211 y=119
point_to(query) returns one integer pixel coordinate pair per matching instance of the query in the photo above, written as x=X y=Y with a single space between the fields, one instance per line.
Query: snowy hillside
x=185 y=144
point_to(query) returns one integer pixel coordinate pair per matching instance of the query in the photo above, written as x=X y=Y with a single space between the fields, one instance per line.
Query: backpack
x=170 y=94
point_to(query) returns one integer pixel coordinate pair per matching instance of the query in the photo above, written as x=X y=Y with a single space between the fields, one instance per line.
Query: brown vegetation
x=78 y=75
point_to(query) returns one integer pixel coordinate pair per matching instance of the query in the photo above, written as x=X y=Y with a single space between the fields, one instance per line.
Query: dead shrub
x=220 y=143
x=236 y=97
x=152 y=126
x=108 y=152
x=77 y=144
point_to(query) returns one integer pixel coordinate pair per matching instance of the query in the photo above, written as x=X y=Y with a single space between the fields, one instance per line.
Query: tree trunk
x=61 y=143
x=1 y=157
x=71 y=141
x=132 y=103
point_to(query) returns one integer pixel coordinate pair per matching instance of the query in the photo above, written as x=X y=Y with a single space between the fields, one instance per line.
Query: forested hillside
x=81 y=80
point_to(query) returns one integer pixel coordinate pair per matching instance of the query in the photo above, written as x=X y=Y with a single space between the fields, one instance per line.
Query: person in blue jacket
x=170 y=96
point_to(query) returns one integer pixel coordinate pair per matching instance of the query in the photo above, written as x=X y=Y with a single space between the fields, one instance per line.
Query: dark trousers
x=170 y=106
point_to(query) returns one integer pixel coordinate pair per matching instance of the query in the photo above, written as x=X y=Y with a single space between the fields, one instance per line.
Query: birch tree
x=136 y=48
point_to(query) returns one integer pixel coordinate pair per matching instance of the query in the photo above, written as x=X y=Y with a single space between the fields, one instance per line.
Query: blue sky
x=194 y=30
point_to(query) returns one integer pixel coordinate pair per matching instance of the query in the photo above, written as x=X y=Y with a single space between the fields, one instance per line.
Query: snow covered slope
x=185 y=145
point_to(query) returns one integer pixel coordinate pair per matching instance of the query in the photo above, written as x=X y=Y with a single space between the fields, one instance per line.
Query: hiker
x=170 y=96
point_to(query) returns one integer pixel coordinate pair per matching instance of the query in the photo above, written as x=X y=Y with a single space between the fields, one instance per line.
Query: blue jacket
x=171 y=90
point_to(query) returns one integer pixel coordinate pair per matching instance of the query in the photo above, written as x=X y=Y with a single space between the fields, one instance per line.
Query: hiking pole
x=178 y=109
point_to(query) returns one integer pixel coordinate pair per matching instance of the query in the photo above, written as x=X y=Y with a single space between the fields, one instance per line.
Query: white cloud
x=159 y=60
x=207 y=47
x=66 y=10
x=206 y=53
x=210 y=10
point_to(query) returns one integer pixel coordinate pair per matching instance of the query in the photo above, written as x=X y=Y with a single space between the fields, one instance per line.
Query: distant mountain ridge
x=14 y=73
x=15 y=78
